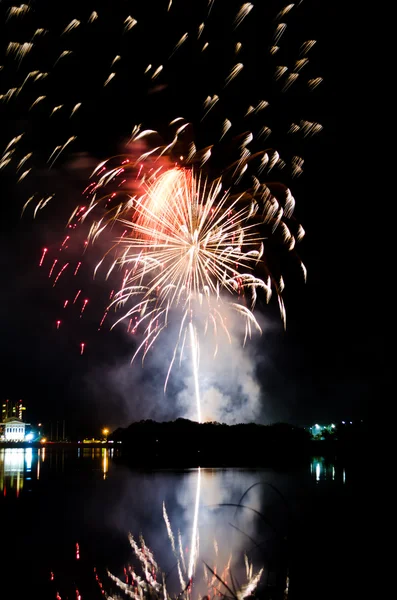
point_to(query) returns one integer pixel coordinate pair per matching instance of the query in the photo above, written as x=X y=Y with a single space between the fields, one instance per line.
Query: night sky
x=326 y=366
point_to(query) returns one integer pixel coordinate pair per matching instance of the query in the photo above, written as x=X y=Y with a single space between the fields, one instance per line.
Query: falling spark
x=242 y=13
x=24 y=174
x=72 y=25
x=233 y=73
x=83 y=307
x=8 y=95
x=58 y=324
x=109 y=79
x=306 y=46
x=55 y=109
x=77 y=295
x=280 y=72
x=291 y=78
x=297 y=166
x=60 y=273
x=77 y=268
x=60 y=150
x=157 y=72
x=39 y=32
x=129 y=23
x=20 y=50
x=62 y=55
x=18 y=11
x=82 y=346
x=313 y=83
x=179 y=44
x=65 y=303
x=23 y=160
x=238 y=47
x=45 y=250
x=200 y=30
x=116 y=58
x=209 y=104
x=280 y=29
x=52 y=268
x=75 y=108
x=93 y=16
x=285 y=11
x=103 y=318
x=204 y=47
x=225 y=128
x=300 y=64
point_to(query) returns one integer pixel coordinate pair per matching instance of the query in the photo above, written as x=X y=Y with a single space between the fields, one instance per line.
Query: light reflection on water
x=324 y=470
x=18 y=466
x=102 y=501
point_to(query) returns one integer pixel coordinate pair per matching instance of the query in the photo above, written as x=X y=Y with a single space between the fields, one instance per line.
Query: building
x=14 y=430
x=12 y=410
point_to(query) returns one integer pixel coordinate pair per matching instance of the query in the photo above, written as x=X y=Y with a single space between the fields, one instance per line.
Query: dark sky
x=327 y=364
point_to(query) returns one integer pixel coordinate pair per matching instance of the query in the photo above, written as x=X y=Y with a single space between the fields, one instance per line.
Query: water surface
x=65 y=511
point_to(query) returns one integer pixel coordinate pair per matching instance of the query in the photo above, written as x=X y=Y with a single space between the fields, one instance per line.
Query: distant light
x=343 y=423
x=43 y=440
x=333 y=426
x=317 y=426
x=39 y=424
x=29 y=437
x=351 y=422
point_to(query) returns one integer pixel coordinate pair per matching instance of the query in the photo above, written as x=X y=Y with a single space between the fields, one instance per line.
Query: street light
x=105 y=433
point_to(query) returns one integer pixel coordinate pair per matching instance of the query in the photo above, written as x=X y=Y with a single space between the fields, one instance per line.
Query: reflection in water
x=205 y=525
x=105 y=462
x=194 y=541
x=210 y=521
x=12 y=466
x=322 y=470
x=19 y=466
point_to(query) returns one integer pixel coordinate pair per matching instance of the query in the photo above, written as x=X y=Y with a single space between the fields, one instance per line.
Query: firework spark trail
x=194 y=538
x=156 y=274
x=184 y=248
x=60 y=273
x=194 y=352
x=45 y=250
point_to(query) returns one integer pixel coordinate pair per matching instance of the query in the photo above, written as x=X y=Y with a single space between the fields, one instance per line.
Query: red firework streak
x=83 y=308
x=103 y=318
x=59 y=274
x=65 y=303
x=77 y=552
x=82 y=346
x=58 y=324
x=77 y=295
x=45 y=250
x=77 y=268
x=52 y=268
x=64 y=241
